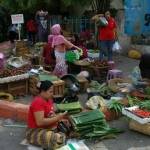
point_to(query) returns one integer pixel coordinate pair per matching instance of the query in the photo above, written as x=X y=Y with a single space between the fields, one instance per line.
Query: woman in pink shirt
x=60 y=44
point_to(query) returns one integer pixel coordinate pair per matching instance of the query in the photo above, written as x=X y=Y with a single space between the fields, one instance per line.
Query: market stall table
x=17 y=85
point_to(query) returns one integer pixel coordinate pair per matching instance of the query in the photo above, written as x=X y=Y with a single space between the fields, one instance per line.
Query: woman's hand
x=62 y=115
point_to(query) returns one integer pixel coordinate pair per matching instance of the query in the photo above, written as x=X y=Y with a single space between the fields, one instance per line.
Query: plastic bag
x=102 y=22
x=116 y=47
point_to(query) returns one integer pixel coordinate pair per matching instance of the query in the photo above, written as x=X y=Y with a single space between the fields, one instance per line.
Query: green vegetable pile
x=39 y=46
x=116 y=106
x=103 y=89
x=133 y=100
x=147 y=90
x=72 y=108
x=92 y=124
x=145 y=105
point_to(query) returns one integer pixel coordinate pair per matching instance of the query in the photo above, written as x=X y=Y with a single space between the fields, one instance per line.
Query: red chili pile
x=141 y=113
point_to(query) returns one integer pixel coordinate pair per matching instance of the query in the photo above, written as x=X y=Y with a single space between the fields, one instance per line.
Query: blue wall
x=137 y=17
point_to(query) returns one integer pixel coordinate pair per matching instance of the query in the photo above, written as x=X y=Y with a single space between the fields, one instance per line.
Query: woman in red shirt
x=107 y=37
x=42 y=119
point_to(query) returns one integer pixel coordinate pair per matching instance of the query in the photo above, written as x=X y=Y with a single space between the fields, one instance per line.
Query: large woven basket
x=113 y=83
x=99 y=72
x=142 y=128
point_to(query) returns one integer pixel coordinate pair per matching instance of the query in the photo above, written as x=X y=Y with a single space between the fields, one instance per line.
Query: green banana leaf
x=69 y=106
x=44 y=77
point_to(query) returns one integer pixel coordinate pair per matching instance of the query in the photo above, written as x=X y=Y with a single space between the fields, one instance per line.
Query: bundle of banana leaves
x=72 y=108
x=92 y=124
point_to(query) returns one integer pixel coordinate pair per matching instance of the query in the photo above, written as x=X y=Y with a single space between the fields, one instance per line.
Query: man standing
x=42 y=25
x=107 y=36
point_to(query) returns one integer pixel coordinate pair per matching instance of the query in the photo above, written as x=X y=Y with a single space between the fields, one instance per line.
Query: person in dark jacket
x=13 y=33
x=144 y=65
x=42 y=25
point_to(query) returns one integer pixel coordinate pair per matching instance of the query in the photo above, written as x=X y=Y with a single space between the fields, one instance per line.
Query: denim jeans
x=106 y=49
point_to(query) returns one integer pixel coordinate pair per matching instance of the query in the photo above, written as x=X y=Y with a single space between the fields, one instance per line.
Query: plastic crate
x=128 y=112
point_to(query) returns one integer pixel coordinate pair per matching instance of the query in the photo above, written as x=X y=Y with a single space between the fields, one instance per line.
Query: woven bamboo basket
x=142 y=128
x=113 y=84
x=99 y=72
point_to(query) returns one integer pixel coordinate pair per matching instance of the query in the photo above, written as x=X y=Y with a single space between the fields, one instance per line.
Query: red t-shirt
x=39 y=104
x=107 y=32
x=31 y=26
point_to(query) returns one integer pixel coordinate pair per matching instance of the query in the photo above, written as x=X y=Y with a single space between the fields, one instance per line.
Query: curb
x=12 y=110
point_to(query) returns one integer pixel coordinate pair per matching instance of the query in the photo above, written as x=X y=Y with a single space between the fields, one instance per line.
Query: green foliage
x=29 y=6
x=147 y=90
x=4 y=19
x=76 y=2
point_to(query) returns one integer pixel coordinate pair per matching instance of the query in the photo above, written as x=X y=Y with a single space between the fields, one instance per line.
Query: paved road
x=10 y=139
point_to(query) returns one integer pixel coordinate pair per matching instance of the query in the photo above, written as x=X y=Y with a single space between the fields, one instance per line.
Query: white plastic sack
x=116 y=47
x=103 y=21
x=96 y=102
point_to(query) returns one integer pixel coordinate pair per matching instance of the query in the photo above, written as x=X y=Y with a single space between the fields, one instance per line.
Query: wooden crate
x=16 y=88
x=59 y=87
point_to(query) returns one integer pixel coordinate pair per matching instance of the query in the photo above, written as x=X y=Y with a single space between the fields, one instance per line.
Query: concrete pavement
x=10 y=137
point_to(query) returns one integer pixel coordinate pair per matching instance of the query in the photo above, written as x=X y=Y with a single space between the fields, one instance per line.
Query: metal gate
x=75 y=24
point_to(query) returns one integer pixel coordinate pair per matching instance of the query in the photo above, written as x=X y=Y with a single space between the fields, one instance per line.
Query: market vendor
x=60 y=44
x=42 y=120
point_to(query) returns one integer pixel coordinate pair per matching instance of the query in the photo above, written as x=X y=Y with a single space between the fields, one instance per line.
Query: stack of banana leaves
x=72 y=108
x=92 y=124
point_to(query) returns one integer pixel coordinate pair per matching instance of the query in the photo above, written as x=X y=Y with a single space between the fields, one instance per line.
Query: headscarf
x=55 y=38
x=55 y=29
x=1 y=56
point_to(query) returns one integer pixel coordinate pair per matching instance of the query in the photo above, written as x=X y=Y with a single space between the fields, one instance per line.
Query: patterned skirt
x=45 y=138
